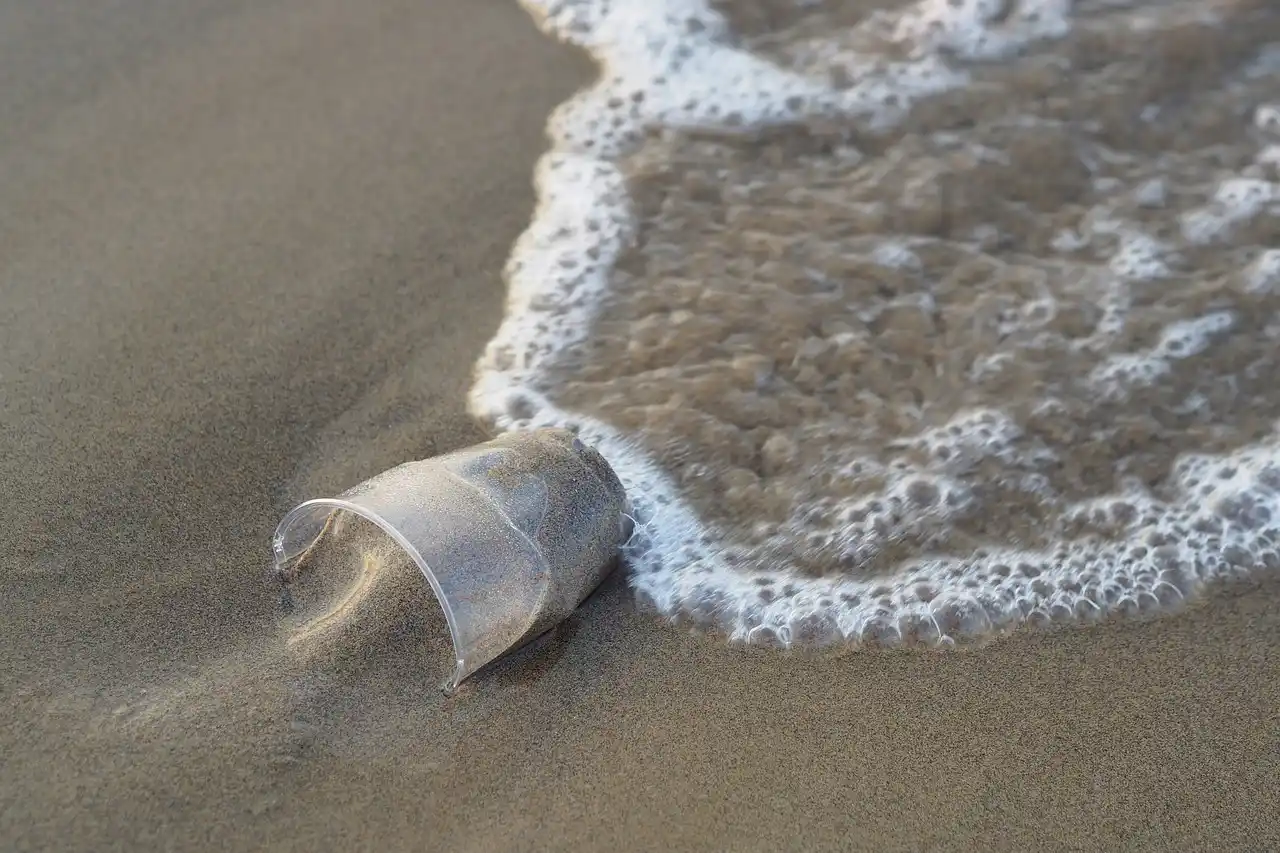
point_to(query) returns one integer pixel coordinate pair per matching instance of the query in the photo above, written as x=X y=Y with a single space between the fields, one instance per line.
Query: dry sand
x=248 y=253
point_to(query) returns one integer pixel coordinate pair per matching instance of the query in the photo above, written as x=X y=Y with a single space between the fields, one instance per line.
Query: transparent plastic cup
x=512 y=535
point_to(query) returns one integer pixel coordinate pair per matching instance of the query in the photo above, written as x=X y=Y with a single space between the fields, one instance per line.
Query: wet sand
x=248 y=254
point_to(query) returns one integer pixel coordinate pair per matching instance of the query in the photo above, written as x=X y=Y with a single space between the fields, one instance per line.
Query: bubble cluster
x=1116 y=376
x=913 y=325
x=1141 y=256
x=1236 y=201
x=982 y=29
x=556 y=276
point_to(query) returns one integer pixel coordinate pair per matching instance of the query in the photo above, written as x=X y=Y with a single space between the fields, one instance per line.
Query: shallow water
x=913 y=323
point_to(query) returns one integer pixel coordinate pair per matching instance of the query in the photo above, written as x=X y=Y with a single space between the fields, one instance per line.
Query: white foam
x=1186 y=338
x=1067 y=241
x=895 y=255
x=969 y=437
x=556 y=276
x=1152 y=193
x=982 y=29
x=670 y=64
x=1159 y=554
x=1269 y=159
x=1116 y=377
x=1263 y=275
x=1267 y=118
x=1115 y=300
x=664 y=64
x=1236 y=201
x=1141 y=256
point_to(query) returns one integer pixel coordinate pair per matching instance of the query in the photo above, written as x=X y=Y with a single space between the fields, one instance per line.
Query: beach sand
x=248 y=255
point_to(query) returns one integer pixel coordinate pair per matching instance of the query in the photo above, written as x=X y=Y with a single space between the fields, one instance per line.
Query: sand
x=248 y=254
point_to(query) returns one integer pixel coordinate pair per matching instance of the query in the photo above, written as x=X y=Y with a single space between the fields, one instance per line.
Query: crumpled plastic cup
x=512 y=535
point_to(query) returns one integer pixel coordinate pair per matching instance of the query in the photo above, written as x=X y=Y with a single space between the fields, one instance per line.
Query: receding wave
x=913 y=323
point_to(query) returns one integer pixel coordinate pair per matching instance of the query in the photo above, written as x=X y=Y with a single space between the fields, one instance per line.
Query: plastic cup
x=512 y=535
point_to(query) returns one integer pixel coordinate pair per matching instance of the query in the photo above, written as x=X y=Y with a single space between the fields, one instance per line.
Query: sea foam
x=867 y=536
